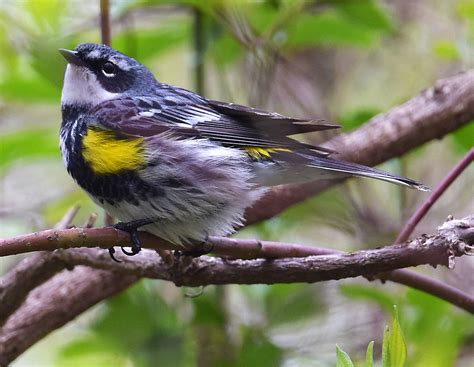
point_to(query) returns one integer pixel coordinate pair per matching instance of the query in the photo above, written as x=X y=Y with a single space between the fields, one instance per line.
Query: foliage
x=393 y=348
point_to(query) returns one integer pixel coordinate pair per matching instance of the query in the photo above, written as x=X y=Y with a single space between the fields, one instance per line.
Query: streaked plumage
x=144 y=149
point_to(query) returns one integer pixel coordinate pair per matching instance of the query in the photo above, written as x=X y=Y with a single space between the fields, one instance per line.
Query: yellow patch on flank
x=107 y=154
x=263 y=153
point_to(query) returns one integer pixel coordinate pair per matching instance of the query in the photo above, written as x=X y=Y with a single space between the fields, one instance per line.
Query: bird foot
x=132 y=229
x=197 y=251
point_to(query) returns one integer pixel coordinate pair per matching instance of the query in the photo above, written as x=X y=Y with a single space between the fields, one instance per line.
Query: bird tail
x=354 y=169
x=297 y=167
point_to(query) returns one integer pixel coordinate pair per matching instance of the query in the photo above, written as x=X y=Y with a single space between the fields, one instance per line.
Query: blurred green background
x=341 y=60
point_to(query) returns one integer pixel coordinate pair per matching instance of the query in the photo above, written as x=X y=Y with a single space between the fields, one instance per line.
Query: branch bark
x=432 y=114
x=438 y=249
x=54 y=303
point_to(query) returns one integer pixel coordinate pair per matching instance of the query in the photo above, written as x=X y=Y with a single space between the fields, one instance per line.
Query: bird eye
x=109 y=69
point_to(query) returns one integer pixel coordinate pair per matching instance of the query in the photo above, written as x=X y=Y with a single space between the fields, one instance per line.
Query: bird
x=168 y=161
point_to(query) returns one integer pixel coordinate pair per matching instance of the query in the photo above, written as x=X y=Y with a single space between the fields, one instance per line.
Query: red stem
x=434 y=196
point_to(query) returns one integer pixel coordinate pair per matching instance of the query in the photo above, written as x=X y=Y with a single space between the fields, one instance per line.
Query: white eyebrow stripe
x=121 y=63
x=94 y=54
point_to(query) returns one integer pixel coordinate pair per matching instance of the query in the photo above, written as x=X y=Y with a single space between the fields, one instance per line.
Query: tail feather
x=355 y=169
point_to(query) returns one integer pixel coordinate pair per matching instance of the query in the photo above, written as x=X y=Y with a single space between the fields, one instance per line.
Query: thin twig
x=67 y=219
x=66 y=294
x=108 y=219
x=105 y=22
x=90 y=221
x=431 y=286
x=434 y=196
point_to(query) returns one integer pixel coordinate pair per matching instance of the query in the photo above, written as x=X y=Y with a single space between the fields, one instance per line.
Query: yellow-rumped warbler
x=177 y=164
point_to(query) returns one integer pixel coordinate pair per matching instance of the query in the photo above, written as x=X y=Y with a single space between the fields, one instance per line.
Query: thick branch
x=437 y=111
x=30 y=273
x=53 y=304
x=433 y=250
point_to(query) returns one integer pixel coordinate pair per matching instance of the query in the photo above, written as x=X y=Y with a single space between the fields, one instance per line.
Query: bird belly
x=203 y=189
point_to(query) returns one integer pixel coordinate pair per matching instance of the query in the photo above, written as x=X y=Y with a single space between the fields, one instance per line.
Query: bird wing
x=263 y=135
x=226 y=123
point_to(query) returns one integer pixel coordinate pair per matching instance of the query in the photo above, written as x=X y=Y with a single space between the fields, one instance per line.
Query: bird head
x=96 y=73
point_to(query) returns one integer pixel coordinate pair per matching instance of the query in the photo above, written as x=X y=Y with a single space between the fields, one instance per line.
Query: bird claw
x=132 y=229
x=112 y=256
x=197 y=251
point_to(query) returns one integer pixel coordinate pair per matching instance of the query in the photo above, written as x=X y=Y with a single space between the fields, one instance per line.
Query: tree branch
x=54 y=303
x=31 y=322
x=431 y=286
x=53 y=239
x=439 y=249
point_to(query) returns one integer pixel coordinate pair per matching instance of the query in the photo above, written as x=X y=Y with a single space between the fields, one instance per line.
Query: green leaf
x=28 y=143
x=369 y=355
x=208 y=308
x=260 y=15
x=424 y=329
x=396 y=344
x=224 y=50
x=343 y=359
x=134 y=328
x=367 y=13
x=54 y=210
x=329 y=28
x=385 y=351
x=91 y=351
x=290 y=302
x=464 y=137
x=465 y=9
x=446 y=50
x=257 y=350
x=363 y=292
x=45 y=59
x=46 y=14
x=17 y=88
x=169 y=35
x=357 y=117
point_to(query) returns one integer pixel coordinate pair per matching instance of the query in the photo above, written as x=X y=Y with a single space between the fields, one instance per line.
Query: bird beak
x=71 y=57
